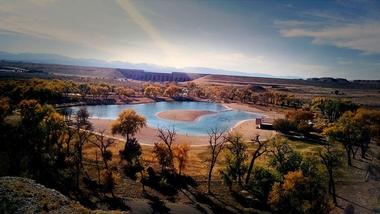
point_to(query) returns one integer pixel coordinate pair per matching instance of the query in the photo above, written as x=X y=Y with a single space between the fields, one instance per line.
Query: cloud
x=363 y=37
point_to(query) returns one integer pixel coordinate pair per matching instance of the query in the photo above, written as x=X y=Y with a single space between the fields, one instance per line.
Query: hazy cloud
x=363 y=37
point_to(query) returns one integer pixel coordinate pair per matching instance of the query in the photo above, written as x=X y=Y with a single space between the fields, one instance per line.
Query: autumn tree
x=125 y=92
x=38 y=142
x=260 y=149
x=301 y=119
x=355 y=130
x=172 y=91
x=368 y=126
x=181 y=153
x=163 y=156
x=296 y=120
x=216 y=140
x=151 y=91
x=84 y=89
x=5 y=108
x=83 y=128
x=331 y=109
x=128 y=124
x=298 y=193
x=103 y=144
x=330 y=159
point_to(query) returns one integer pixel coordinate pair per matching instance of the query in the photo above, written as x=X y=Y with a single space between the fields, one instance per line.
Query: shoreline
x=148 y=135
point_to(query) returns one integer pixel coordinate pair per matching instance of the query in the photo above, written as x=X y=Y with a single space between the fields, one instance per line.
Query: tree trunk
x=126 y=142
x=209 y=179
x=332 y=183
x=250 y=169
x=349 y=162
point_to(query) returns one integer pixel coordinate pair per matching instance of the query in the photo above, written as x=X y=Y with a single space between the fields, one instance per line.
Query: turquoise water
x=223 y=119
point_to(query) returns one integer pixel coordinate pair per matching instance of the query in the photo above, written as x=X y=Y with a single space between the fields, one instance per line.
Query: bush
x=261 y=184
x=283 y=125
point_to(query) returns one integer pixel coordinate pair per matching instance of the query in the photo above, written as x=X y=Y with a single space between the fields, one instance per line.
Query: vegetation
x=279 y=175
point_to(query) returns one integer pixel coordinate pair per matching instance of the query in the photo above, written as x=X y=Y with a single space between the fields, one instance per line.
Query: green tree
x=260 y=149
x=283 y=158
x=236 y=167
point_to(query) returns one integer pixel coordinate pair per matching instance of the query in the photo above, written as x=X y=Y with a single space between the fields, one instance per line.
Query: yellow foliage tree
x=181 y=153
x=128 y=123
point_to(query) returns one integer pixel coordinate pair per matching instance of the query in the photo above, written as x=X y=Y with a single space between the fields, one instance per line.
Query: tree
x=163 y=156
x=284 y=159
x=128 y=124
x=83 y=129
x=367 y=123
x=84 y=89
x=283 y=125
x=299 y=194
x=167 y=137
x=172 y=91
x=301 y=120
x=31 y=112
x=355 y=130
x=261 y=183
x=5 y=108
x=216 y=142
x=132 y=151
x=330 y=160
x=344 y=131
x=261 y=148
x=103 y=144
x=236 y=167
x=132 y=154
x=181 y=154
x=331 y=109
x=151 y=91
x=296 y=120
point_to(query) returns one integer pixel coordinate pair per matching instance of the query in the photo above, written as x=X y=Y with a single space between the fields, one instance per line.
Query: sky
x=281 y=38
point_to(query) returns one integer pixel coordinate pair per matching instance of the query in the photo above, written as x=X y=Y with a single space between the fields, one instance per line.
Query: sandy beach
x=148 y=135
x=183 y=115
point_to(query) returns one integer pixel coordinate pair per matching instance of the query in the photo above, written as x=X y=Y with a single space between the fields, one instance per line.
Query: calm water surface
x=223 y=119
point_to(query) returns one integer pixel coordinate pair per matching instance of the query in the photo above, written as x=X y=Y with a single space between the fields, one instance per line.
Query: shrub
x=283 y=125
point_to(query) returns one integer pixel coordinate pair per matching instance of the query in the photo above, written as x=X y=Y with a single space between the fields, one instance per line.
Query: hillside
x=143 y=75
x=22 y=195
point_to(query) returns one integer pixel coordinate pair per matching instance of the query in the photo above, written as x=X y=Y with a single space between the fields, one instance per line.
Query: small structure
x=260 y=124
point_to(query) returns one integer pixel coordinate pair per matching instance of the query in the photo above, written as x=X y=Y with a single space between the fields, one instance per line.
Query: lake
x=224 y=118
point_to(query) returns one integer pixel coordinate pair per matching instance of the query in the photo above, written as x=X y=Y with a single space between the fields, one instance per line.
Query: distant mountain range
x=64 y=60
